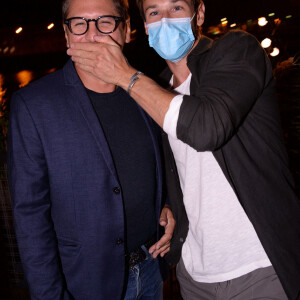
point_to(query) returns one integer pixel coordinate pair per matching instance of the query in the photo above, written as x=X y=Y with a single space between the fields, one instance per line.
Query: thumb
x=163 y=220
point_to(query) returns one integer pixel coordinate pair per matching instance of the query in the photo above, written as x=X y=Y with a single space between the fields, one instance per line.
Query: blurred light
x=51 y=70
x=233 y=25
x=224 y=19
x=224 y=23
x=277 y=21
x=24 y=77
x=12 y=49
x=50 y=26
x=244 y=27
x=262 y=21
x=266 y=43
x=214 y=30
x=275 y=52
x=2 y=93
x=19 y=30
x=271 y=14
x=2 y=90
x=5 y=50
x=288 y=17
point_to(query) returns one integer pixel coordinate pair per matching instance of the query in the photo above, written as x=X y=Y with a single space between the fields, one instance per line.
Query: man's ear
x=66 y=35
x=127 y=31
x=200 y=14
x=146 y=29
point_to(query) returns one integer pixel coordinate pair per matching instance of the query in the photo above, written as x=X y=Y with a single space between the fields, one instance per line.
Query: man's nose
x=165 y=14
x=92 y=31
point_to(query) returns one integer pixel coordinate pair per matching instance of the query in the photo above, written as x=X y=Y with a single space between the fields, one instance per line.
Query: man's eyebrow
x=174 y=1
x=155 y=6
x=150 y=7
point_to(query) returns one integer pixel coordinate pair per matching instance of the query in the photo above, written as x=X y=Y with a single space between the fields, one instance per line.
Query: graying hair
x=121 y=6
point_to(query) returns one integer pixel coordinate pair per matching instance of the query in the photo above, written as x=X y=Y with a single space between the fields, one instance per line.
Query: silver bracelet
x=134 y=78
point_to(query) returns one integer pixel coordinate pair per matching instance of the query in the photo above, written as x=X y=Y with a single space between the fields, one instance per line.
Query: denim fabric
x=144 y=280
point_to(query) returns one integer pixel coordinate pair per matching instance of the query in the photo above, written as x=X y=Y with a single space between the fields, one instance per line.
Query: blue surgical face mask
x=172 y=38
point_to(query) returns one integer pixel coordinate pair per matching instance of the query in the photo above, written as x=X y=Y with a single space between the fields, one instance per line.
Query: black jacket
x=232 y=111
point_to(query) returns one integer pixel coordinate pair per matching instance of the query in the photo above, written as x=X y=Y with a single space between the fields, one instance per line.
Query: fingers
x=106 y=40
x=100 y=41
x=162 y=254
x=162 y=246
x=162 y=251
x=89 y=51
x=156 y=249
x=103 y=59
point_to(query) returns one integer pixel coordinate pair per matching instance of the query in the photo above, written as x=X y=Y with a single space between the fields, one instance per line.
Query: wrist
x=124 y=80
x=133 y=79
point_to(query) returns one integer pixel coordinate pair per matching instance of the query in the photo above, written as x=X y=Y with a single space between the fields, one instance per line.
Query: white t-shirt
x=221 y=243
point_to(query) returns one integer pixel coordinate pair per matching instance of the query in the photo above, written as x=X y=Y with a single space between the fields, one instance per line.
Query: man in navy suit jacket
x=85 y=177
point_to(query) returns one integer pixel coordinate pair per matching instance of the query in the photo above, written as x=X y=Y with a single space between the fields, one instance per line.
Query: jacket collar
x=203 y=45
x=70 y=75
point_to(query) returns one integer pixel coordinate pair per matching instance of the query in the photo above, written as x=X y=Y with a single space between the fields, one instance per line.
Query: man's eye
x=78 y=24
x=177 y=8
x=154 y=13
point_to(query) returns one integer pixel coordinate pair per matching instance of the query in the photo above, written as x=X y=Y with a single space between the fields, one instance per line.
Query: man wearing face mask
x=238 y=230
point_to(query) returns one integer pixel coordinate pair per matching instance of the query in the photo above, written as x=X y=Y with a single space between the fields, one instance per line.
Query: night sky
x=17 y=12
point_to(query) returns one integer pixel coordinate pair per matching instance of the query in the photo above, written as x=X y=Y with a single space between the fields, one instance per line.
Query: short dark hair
x=140 y=5
x=121 y=6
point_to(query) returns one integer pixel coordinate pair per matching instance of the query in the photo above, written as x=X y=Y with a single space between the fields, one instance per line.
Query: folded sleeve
x=171 y=117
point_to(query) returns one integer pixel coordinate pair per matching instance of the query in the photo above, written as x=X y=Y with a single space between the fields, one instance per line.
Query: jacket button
x=120 y=241
x=116 y=190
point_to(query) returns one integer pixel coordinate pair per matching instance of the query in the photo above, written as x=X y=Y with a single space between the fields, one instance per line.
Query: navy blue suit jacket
x=68 y=208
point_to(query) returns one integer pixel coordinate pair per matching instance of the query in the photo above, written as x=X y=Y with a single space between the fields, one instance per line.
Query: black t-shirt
x=132 y=150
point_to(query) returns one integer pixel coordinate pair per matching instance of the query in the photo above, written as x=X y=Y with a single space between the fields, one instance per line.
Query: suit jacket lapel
x=154 y=137
x=78 y=96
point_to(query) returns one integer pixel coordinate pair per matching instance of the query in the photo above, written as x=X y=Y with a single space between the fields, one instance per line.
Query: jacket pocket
x=69 y=251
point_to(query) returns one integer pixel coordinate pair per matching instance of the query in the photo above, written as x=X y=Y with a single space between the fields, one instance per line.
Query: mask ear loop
x=193 y=32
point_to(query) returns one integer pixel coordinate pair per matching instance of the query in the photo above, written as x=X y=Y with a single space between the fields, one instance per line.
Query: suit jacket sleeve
x=229 y=81
x=30 y=194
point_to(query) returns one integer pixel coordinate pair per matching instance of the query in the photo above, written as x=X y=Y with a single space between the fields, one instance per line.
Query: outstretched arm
x=106 y=61
x=209 y=117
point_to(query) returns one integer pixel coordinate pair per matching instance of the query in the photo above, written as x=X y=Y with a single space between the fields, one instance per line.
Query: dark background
x=35 y=15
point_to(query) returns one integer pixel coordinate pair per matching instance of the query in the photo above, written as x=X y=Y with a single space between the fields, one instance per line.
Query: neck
x=93 y=83
x=180 y=69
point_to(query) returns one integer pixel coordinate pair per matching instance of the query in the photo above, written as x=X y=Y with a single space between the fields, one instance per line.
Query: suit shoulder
x=44 y=84
x=238 y=34
x=237 y=45
x=45 y=87
x=237 y=39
